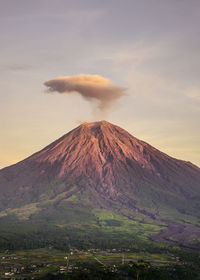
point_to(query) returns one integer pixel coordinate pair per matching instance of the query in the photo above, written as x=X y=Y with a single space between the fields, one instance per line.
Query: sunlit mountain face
x=98 y=175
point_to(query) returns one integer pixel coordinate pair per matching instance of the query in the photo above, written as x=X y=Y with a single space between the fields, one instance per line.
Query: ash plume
x=90 y=87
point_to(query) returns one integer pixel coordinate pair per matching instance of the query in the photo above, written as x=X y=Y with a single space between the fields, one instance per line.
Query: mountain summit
x=102 y=166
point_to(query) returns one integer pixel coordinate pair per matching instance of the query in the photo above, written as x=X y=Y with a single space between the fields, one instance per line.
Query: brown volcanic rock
x=102 y=159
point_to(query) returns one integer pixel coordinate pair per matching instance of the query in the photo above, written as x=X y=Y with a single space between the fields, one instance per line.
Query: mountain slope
x=101 y=166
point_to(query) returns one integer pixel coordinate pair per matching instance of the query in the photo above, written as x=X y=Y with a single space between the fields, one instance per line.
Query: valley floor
x=96 y=264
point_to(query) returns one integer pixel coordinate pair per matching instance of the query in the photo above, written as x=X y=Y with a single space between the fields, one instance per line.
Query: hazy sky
x=150 y=47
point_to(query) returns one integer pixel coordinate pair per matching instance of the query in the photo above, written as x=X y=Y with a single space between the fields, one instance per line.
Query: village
x=33 y=263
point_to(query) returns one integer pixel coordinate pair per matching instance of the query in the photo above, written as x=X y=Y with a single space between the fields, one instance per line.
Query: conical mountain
x=101 y=166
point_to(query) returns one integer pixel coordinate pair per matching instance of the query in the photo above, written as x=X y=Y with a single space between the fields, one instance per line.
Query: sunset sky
x=149 y=47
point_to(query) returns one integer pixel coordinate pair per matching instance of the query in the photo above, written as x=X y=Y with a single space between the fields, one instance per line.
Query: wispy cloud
x=16 y=67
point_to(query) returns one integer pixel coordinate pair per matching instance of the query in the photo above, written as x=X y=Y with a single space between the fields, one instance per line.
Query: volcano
x=100 y=168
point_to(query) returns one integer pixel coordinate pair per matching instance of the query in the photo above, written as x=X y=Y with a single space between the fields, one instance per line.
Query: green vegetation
x=98 y=264
x=71 y=240
x=72 y=224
